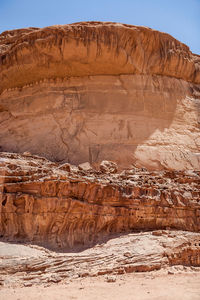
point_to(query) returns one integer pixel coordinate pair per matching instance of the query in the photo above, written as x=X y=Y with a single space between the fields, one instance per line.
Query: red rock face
x=42 y=203
x=100 y=91
x=92 y=48
x=105 y=97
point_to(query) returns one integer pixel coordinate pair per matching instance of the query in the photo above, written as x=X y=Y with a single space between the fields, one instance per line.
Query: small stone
x=27 y=284
x=157 y=232
x=27 y=153
x=84 y=274
x=65 y=167
x=108 y=167
x=54 y=278
x=85 y=167
x=127 y=254
x=110 y=278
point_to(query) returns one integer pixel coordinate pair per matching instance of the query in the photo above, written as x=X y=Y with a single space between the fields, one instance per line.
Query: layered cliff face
x=65 y=206
x=94 y=91
x=98 y=221
x=80 y=94
x=92 y=48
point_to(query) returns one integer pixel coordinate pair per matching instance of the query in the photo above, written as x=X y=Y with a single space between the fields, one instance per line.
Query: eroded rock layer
x=92 y=48
x=65 y=206
x=94 y=91
x=174 y=251
x=136 y=119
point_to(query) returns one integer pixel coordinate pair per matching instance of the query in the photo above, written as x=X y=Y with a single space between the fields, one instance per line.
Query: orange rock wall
x=143 y=120
x=42 y=203
x=94 y=91
x=92 y=48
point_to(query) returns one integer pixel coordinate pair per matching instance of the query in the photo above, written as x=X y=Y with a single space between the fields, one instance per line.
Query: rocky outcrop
x=82 y=102
x=97 y=91
x=92 y=48
x=173 y=251
x=44 y=204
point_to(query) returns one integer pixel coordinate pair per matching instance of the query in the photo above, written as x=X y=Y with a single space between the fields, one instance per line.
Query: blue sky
x=180 y=18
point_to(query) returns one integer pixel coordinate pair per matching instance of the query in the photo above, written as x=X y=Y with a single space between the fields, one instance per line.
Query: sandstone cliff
x=63 y=206
x=92 y=48
x=92 y=91
x=80 y=94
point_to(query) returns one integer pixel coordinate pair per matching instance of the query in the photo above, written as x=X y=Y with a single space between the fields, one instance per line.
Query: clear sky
x=180 y=18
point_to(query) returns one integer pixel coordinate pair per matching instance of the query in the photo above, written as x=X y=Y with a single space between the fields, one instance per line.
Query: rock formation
x=175 y=251
x=97 y=91
x=107 y=118
x=93 y=215
x=44 y=204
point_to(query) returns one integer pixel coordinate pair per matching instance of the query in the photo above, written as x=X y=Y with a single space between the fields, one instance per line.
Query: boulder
x=65 y=167
x=86 y=167
x=108 y=167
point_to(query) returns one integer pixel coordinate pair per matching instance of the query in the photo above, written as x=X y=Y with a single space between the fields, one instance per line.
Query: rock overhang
x=92 y=48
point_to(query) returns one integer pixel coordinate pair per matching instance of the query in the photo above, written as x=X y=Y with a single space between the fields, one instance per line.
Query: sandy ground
x=138 y=286
x=169 y=283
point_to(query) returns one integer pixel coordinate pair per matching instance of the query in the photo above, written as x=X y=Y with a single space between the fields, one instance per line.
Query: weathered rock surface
x=138 y=252
x=100 y=91
x=92 y=48
x=108 y=167
x=47 y=205
x=78 y=95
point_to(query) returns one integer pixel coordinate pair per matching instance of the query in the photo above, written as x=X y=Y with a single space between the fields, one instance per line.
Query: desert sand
x=138 y=286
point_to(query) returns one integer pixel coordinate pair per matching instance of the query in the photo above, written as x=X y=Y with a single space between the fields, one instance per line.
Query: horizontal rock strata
x=139 y=252
x=41 y=202
x=92 y=91
x=92 y=48
x=106 y=97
